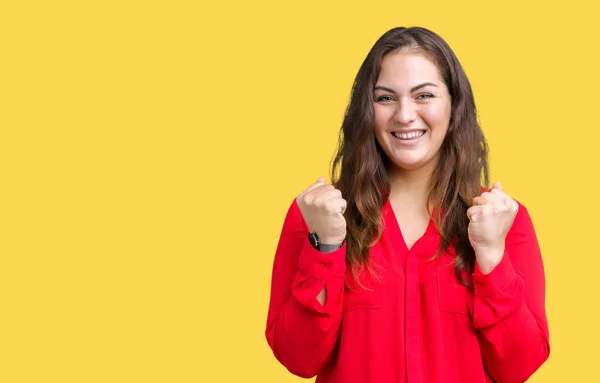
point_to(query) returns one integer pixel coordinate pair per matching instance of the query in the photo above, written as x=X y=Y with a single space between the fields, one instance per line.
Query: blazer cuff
x=322 y=265
x=491 y=284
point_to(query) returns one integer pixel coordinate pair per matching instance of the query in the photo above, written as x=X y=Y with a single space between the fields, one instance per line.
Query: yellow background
x=150 y=149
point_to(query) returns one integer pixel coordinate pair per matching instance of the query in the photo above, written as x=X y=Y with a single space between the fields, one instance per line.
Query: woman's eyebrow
x=384 y=88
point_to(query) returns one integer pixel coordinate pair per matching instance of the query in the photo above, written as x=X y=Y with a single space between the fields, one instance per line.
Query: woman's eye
x=424 y=96
x=384 y=98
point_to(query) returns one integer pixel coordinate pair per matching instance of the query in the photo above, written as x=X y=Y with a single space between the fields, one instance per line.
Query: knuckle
x=308 y=200
x=318 y=203
x=300 y=200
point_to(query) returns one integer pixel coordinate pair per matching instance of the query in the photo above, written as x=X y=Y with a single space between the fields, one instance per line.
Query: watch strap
x=328 y=248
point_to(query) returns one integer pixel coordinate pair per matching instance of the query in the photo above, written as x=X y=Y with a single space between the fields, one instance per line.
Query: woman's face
x=412 y=110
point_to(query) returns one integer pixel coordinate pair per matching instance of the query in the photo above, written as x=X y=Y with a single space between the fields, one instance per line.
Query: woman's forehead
x=407 y=70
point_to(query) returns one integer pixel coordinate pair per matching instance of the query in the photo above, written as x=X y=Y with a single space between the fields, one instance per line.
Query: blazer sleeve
x=509 y=307
x=301 y=332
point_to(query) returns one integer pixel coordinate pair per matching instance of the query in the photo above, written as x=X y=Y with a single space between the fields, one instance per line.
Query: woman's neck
x=410 y=185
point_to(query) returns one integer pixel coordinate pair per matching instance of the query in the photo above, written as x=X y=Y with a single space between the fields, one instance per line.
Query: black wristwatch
x=315 y=241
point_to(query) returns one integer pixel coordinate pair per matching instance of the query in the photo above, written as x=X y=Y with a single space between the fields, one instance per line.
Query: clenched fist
x=323 y=208
x=490 y=219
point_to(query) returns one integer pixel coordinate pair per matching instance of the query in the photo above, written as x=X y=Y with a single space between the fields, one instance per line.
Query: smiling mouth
x=409 y=136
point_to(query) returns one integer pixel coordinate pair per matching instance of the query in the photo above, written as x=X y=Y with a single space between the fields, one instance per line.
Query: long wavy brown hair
x=358 y=168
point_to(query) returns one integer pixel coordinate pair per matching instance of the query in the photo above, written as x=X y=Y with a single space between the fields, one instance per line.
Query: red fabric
x=418 y=324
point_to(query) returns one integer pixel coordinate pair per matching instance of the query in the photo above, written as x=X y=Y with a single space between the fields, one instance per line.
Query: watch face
x=313 y=238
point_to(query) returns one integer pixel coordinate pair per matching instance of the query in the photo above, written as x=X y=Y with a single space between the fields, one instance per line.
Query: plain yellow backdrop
x=150 y=149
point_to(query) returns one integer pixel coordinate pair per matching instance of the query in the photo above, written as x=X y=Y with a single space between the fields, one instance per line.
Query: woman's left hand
x=491 y=217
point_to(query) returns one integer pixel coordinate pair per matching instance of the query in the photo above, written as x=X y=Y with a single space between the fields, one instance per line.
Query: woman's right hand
x=323 y=208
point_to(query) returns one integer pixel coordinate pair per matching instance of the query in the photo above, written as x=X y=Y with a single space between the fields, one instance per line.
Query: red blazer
x=418 y=324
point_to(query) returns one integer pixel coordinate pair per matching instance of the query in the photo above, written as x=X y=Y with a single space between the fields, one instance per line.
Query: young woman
x=406 y=269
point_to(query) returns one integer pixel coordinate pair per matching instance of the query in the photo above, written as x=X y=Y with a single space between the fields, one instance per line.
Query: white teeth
x=408 y=136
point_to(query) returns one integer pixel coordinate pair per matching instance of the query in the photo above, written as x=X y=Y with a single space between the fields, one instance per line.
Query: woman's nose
x=405 y=112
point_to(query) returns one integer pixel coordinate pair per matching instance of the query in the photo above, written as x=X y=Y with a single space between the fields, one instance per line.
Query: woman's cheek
x=380 y=118
x=435 y=114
